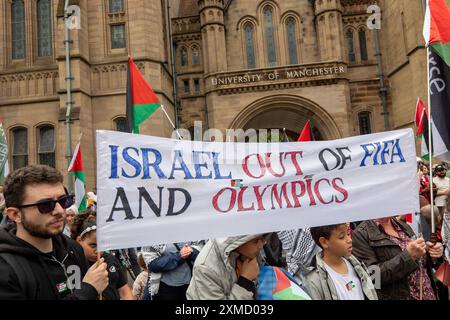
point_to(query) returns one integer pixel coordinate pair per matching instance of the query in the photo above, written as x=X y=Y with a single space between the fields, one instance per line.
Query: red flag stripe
x=305 y=136
x=142 y=93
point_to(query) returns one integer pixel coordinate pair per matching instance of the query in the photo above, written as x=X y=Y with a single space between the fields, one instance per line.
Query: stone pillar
x=330 y=29
x=213 y=33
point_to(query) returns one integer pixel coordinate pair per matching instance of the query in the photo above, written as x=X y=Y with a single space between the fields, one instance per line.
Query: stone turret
x=213 y=35
x=330 y=31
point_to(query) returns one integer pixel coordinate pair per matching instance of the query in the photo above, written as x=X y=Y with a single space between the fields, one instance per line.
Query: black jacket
x=50 y=272
x=374 y=247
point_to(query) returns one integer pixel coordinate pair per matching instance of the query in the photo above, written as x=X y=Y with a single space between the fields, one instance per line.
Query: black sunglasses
x=47 y=206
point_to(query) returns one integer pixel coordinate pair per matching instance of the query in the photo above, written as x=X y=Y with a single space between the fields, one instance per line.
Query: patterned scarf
x=300 y=248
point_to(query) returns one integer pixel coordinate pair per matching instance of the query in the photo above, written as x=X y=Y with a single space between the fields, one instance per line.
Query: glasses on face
x=47 y=206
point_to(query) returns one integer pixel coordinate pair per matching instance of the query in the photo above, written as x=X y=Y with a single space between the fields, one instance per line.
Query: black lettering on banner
x=339 y=157
x=188 y=199
x=144 y=194
x=126 y=206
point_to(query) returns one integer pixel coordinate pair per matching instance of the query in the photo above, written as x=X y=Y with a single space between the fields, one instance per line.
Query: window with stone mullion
x=118 y=36
x=20 y=148
x=250 y=46
x=46 y=148
x=292 y=41
x=351 y=47
x=18 y=29
x=270 y=37
x=44 y=28
x=116 y=6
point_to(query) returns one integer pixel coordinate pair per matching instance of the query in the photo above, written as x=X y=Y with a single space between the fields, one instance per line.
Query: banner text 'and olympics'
x=155 y=190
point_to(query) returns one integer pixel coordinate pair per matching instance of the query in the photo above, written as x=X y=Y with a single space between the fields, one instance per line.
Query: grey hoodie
x=214 y=276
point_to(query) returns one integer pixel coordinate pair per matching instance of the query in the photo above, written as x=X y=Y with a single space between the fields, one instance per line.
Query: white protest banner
x=155 y=190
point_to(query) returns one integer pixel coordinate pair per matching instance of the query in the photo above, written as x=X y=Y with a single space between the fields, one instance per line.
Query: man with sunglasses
x=36 y=260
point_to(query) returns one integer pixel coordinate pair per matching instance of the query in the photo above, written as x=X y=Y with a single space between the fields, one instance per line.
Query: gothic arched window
x=184 y=57
x=46 y=146
x=292 y=41
x=250 y=46
x=19 y=148
x=364 y=123
x=195 y=56
x=120 y=124
x=18 y=29
x=44 y=17
x=270 y=36
x=363 y=45
x=351 y=47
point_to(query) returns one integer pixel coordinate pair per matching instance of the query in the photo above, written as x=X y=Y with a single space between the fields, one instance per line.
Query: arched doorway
x=289 y=112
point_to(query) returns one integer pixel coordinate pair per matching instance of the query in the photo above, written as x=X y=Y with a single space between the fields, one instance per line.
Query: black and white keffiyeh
x=300 y=248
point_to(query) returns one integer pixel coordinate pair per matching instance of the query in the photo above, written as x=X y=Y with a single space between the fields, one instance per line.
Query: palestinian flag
x=76 y=169
x=278 y=284
x=421 y=122
x=306 y=134
x=141 y=100
x=437 y=36
x=4 y=168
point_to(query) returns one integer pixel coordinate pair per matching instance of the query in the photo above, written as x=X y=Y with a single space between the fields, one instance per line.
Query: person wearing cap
x=38 y=262
x=443 y=188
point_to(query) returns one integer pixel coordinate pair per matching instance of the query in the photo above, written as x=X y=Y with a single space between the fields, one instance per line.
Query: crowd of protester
x=43 y=235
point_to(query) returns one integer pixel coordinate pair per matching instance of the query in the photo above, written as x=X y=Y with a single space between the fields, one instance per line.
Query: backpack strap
x=23 y=272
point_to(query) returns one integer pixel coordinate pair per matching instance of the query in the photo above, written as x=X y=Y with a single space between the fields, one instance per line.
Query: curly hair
x=81 y=222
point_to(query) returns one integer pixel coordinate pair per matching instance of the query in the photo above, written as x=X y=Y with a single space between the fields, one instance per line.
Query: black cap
x=440 y=167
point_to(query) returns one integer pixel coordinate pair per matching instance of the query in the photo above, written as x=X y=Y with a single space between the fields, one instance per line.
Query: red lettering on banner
x=310 y=193
x=278 y=197
x=232 y=200
x=295 y=195
x=259 y=196
x=339 y=189
x=240 y=201
x=261 y=165
x=317 y=191
x=293 y=155
x=269 y=165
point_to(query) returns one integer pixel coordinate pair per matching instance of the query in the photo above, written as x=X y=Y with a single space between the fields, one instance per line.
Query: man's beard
x=38 y=231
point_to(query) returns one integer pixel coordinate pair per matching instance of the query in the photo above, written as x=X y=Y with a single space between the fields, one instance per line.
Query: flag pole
x=99 y=256
x=170 y=120
x=430 y=144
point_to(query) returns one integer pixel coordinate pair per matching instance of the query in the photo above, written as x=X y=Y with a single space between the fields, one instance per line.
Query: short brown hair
x=15 y=183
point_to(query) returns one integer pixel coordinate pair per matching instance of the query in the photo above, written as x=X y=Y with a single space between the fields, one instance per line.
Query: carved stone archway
x=286 y=111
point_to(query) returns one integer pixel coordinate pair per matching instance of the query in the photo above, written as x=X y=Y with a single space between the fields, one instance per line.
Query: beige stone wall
x=32 y=91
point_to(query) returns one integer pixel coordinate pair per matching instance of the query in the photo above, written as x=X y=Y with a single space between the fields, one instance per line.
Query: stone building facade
x=261 y=64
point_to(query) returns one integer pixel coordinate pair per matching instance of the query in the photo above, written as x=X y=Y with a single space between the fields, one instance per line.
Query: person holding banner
x=391 y=245
x=170 y=268
x=38 y=262
x=338 y=274
x=227 y=269
x=84 y=232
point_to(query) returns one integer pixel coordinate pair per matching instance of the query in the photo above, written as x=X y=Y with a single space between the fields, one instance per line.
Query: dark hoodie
x=50 y=271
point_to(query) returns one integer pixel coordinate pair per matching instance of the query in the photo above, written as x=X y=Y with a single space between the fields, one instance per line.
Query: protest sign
x=155 y=190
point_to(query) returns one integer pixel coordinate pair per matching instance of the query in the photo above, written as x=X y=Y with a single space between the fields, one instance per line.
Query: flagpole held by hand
x=98 y=263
